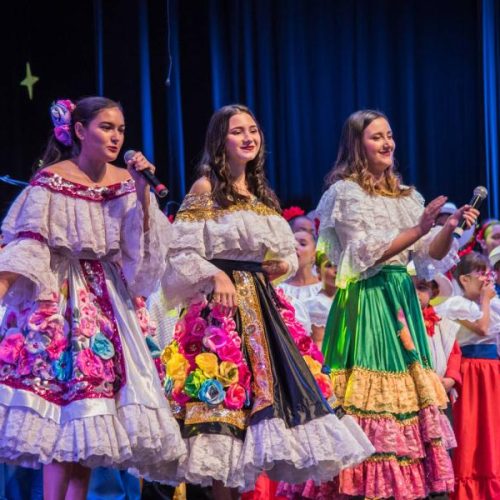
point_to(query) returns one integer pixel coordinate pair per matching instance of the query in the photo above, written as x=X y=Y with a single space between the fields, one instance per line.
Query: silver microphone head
x=130 y=153
x=481 y=191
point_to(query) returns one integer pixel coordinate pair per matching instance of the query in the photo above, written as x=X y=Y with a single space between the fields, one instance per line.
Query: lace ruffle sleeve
x=355 y=238
x=25 y=230
x=426 y=266
x=144 y=253
x=189 y=274
x=204 y=231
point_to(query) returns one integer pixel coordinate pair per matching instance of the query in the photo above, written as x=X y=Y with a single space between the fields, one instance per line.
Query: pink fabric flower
x=180 y=397
x=230 y=352
x=190 y=347
x=304 y=345
x=139 y=302
x=235 y=397
x=215 y=338
x=24 y=362
x=57 y=346
x=89 y=311
x=325 y=384
x=11 y=346
x=194 y=311
x=85 y=297
x=108 y=371
x=244 y=376
x=38 y=319
x=196 y=327
x=90 y=365
x=86 y=327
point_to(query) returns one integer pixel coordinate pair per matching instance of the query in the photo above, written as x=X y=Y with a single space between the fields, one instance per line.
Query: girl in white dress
x=84 y=242
x=244 y=378
x=304 y=284
x=475 y=414
x=319 y=306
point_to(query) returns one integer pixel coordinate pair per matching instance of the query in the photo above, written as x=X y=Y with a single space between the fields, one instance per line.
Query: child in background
x=477 y=458
x=319 y=306
x=444 y=348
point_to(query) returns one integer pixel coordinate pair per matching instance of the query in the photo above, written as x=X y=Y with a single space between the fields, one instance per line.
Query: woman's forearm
x=441 y=243
x=401 y=242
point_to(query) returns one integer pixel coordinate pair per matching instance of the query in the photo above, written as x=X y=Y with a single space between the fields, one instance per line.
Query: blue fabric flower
x=153 y=347
x=102 y=346
x=168 y=385
x=326 y=370
x=63 y=366
x=211 y=392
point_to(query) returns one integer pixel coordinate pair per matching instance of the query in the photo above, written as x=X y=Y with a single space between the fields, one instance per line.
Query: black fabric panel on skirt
x=297 y=396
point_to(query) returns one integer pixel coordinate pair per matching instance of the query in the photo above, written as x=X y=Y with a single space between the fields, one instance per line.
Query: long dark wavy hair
x=85 y=111
x=215 y=167
x=352 y=163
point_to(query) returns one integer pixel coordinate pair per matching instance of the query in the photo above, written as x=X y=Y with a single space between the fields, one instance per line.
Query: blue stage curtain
x=304 y=66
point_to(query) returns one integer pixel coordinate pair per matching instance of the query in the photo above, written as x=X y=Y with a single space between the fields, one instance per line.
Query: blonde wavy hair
x=352 y=163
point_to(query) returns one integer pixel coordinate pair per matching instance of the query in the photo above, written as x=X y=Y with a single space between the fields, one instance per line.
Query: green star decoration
x=29 y=81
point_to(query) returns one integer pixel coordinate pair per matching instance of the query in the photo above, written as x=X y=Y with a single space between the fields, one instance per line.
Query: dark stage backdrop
x=303 y=66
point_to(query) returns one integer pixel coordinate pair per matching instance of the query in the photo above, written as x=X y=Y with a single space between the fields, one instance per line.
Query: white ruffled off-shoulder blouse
x=246 y=231
x=358 y=228
x=54 y=218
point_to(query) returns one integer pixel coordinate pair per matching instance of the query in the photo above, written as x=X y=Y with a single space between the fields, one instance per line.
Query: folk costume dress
x=376 y=345
x=77 y=380
x=246 y=388
x=475 y=413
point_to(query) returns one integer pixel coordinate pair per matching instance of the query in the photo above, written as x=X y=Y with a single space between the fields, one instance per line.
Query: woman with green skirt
x=375 y=340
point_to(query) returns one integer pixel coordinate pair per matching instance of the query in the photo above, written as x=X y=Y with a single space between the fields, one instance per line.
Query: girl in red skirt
x=477 y=458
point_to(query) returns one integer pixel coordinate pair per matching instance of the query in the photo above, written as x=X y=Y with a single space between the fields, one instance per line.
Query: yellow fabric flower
x=207 y=362
x=168 y=352
x=178 y=367
x=228 y=373
x=313 y=365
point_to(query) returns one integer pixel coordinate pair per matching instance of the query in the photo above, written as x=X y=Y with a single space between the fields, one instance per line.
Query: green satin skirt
x=366 y=321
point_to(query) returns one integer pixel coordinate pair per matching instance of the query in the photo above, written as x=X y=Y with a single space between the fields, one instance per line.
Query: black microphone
x=159 y=188
x=479 y=195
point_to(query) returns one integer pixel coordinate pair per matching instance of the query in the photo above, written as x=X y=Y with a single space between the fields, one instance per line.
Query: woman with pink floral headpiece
x=84 y=242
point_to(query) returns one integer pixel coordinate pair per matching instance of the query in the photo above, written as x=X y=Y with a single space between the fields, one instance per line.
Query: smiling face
x=103 y=137
x=328 y=274
x=379 y=146
x=243 y=139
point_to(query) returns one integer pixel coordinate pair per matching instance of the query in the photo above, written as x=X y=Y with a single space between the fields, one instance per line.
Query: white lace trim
x=302 y=293
x=239 y=235
x=136 y=436
x=317 y=450
x=357 y=228
x=84 y=229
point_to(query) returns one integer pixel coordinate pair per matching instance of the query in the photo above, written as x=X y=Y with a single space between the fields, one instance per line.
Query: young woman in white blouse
x=84 y=242
x=375 y=340
x=243 y=376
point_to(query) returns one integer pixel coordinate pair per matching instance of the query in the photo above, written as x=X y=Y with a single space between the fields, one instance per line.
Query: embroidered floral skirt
x=376 y=345
x=77 y=380
x=250 y=392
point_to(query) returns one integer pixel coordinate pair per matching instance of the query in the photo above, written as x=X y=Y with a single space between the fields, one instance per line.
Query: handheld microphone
x=479 y=195
x=159 y=188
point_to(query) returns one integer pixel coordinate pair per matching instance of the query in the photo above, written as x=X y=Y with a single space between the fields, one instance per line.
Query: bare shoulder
x=201 y=186
x=117 y=174
x=60 y=168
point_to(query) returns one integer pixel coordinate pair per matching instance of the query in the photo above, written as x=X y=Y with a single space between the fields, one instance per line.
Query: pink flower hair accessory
x=60 y=113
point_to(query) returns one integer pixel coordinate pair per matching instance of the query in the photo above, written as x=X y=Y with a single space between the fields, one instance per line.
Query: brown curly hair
x=352 y=163
x=215 y=167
